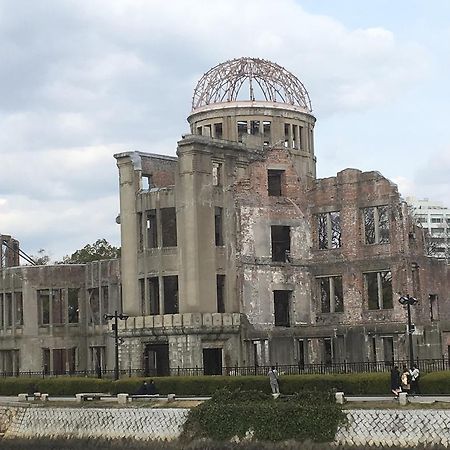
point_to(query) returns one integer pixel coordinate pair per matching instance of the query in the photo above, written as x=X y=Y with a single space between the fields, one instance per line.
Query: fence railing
x=425 y=365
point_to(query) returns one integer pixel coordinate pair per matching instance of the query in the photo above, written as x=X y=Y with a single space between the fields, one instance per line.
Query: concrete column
x=195 y=219
x=129 y=165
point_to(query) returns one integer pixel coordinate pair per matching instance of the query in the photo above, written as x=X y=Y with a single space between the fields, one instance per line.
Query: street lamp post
x=116 y=316
x=407 y=301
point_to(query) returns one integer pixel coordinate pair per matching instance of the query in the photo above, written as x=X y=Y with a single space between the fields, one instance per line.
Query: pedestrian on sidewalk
x=273 y=379
x=395 y=381
x=406 y=380
x=415 y=375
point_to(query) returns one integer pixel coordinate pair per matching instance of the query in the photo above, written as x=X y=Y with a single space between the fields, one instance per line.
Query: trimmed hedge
x=351 y=384
x=231 y=414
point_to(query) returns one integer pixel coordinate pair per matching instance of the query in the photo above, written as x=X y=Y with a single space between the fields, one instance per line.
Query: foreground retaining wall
x=366 y=427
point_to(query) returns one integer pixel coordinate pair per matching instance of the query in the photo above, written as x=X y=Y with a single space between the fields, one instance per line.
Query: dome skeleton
x=223 y=83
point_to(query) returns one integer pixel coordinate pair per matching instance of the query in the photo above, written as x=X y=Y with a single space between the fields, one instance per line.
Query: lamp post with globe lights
x=406 y=301
x=116 y=316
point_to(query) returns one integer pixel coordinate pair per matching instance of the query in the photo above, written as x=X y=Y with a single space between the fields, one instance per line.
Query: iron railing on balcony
x=425 y=365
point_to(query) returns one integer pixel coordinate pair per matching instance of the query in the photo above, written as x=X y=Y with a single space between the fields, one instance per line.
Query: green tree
x=100 y=249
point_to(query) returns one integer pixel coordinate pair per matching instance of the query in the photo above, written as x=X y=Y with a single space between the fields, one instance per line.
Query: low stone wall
x=366 y=427
x=110 y=423
x=396 y=427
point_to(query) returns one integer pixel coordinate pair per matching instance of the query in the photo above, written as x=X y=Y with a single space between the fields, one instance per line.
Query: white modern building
x=434 y=217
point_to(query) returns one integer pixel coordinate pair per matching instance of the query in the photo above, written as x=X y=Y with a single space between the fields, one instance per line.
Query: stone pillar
x=195 y=219
x=130 y=171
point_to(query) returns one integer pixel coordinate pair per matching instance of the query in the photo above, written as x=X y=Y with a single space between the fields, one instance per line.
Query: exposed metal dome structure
x=250 y=79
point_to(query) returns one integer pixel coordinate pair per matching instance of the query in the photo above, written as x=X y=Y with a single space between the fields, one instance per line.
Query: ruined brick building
x=235 y=254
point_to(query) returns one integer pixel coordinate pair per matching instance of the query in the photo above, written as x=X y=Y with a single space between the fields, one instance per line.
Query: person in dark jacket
x=151 y=388
x=395 y=381
x=143 y=388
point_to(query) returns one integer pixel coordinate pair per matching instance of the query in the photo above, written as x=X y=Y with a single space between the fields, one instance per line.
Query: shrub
x=237 y=413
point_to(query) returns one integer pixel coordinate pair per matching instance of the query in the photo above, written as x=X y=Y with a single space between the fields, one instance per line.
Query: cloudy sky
x=84 y=79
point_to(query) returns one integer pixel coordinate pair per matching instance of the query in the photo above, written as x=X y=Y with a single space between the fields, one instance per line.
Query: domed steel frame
x=223 y=83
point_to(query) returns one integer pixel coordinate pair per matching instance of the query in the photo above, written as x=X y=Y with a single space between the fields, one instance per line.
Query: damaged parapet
x=9 y=251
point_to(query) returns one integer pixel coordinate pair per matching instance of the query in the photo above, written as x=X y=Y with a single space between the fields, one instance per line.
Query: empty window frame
x=220 y=289
x=207 y=130
x=434 y=307
x=242 y=129
x=146 y=182
x=217 y=174
x=266 y=125
x=18 y=308
x=295 y=142
x=46 y=361
x=378 y=287
x=327 y=349
x=151 y=226
x=218 y=226
x=169 y=227
x=329 y=230
x=94 y=306
x=43 y=298
x=218 y=130
x=300 y=138
x=58 y=310
x=286 y=134
x=255 y=127
x=275 y=180
x=104 y=303
x=281 y=242
x=376 y=225
x=153 y=296
x=8 y=310
x=170 y=284
x=73 y=305
x=281 y=308
x=199 y=131
x=331 y=294
x=388 y=349
x=2 y=314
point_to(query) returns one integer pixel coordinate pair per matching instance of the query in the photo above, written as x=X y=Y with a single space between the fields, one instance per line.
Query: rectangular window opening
x=281 y=243
x=44 y=306
x=329 y=230
x=220 y=286
x=153 y=295
x=275 y=182
x=152 y=233
x=376 y=225
x=94 y=306
x=241 y=129
x=171 y=294
x=217 y=174
x=73 y=306
x=286 y=135
x=378 y=287
x=281 y=303
x=169 y=227
x=218 y=226
x=218 y=130
x=18 y=305
x=58 y=310
x=254 y=127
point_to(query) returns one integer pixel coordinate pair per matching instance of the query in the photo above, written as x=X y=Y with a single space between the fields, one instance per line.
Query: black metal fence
x=425 y=365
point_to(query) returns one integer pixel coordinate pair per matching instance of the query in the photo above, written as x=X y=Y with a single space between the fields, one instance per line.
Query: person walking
x=273 y=379
x=415 y=374
x=395 y=381
x=406 y=380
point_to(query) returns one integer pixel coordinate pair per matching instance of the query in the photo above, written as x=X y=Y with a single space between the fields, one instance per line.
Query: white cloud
x=81 y=81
